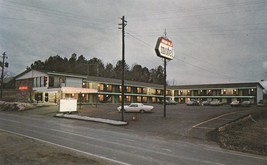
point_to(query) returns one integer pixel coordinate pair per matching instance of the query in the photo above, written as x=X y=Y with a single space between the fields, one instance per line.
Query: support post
x=123 y=24
x=2 y=75
x=164 y=96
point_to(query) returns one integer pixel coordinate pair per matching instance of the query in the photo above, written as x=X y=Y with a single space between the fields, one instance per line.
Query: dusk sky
x=215 y=41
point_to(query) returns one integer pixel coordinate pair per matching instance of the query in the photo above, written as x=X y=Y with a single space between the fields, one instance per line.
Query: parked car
x=235 y=103
x=215 y=102
x=206 y=103
x=192 y=102
x=245 y=104
x=168 y=102
x=171 y=102
x=137 y=107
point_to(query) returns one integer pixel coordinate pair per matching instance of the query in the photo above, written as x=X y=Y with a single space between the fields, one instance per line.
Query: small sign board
x=164 y=48
x=68 y=105
x=23 y=88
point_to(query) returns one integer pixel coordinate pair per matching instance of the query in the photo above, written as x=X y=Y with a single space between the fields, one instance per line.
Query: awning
x=44 y=89
x=78 y=90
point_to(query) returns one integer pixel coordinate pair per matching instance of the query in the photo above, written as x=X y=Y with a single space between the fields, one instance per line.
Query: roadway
x=127 y=147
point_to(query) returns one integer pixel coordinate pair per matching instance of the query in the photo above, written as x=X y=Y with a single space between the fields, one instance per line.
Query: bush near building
x=14 y=106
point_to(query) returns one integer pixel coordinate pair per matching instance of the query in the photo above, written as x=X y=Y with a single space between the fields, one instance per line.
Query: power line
x=40 y=9
x=93 y=25
x=197 y=9
x=143 y=42
x=196 y=66
x=54 y=14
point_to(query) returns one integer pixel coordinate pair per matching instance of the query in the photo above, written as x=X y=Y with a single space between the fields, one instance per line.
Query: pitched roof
x=214 y=86
x=118 y=81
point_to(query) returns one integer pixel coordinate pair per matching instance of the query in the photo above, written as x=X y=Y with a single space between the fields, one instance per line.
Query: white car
x=192 y=102
x=235 y=103
x=215 y=102
x=137 y=107
x=245 y=104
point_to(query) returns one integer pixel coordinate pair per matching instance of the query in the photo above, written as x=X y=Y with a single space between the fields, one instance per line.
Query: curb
x=86 y=118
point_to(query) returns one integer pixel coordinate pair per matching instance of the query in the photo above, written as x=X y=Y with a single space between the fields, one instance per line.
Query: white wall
x=259 y=93
x=32 y=74
x=73 y=82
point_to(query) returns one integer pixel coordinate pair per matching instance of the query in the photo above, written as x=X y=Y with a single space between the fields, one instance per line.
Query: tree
x=109 y=71
x=157 y=75
x=136 y=73
x=81 y=65
x=145 y=75
x=38 y=65
x=73 y=58
x=118 y=70
x=96 y=67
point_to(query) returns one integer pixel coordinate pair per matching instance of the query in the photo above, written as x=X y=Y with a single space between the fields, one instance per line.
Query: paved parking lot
x=181 y=122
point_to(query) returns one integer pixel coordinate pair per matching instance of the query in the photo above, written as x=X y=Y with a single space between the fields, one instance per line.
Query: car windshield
x=133 y=105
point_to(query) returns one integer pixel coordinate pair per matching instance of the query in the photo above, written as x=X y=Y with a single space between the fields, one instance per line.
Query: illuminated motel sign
x=164 y=48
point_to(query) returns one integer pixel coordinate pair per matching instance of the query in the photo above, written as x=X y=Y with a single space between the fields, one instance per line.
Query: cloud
x=212 y=45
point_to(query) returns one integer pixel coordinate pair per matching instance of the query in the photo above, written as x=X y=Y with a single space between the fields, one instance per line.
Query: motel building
x=50 y=87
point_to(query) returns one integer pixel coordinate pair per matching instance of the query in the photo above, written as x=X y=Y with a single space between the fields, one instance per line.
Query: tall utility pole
x=122 y=24
x=2 y=75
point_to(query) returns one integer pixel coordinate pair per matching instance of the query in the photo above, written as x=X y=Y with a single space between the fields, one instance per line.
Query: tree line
x=95 y=67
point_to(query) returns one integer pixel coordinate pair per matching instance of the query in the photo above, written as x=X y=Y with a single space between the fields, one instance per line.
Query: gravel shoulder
x=15 y=149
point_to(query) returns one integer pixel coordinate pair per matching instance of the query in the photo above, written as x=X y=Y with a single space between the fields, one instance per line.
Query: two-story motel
x=50 y=87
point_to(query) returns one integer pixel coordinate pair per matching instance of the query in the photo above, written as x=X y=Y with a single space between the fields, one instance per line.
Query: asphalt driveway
x=181 y=122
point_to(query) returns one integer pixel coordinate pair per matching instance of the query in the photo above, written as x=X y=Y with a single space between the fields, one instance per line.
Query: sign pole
x=165 y=75
x=164 y=49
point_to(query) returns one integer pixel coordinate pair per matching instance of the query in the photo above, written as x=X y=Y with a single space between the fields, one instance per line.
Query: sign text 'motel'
x=164 y=48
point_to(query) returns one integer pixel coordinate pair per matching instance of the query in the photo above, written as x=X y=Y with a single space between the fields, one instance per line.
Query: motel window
x=158 y=92
x=100 y=98
x=252 y=91
x=144 y=99
x=139 y=99
x=223 y=91
x=109 y=87
x=144 y=90
x=128 y=89
x=209 y=92
x=152 y=91
x=85 y=84
x=101 y=87
x=128 y=99
x=235 y=91
x=93 y=85
x=139 y=90
x=62 y=80
x=185 y=92
x=51 y=81
x=168 y=93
